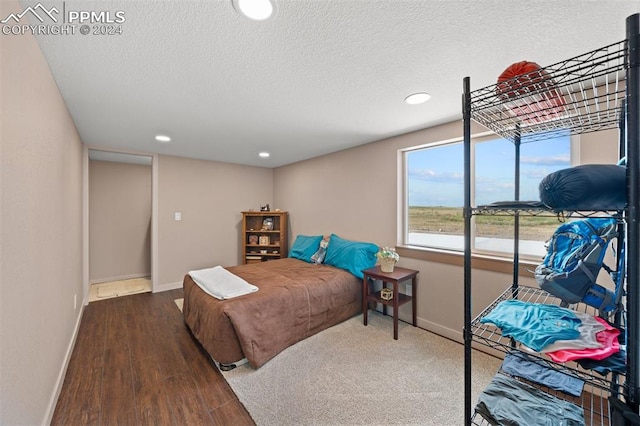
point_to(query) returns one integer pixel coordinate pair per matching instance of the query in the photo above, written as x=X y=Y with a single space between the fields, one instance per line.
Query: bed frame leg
x=227 y=367
x=231 y=366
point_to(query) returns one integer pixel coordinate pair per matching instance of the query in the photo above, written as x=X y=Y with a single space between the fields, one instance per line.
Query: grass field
x=448 y=220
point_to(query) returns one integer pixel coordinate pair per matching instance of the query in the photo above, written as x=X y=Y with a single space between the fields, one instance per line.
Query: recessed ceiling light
x=264 y=154
x=417 y=98
x=258 y=10
x=163 y=138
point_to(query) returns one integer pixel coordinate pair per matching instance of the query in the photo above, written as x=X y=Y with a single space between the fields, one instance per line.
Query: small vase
x=386 y=265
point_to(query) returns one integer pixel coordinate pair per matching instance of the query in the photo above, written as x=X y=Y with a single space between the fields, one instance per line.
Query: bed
x=296 y=299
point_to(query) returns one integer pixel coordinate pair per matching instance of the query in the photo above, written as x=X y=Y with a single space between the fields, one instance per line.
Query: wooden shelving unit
x=264 y=236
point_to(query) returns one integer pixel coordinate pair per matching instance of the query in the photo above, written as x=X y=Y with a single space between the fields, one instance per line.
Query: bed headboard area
x=352 y=256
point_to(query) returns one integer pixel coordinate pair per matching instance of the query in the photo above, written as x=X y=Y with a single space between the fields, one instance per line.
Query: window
x=434 y=179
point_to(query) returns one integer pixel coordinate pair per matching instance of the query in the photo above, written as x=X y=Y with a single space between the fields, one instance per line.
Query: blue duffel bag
x=585 y=187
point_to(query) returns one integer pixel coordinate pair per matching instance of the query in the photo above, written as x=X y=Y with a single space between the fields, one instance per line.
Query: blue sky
x=435 y=176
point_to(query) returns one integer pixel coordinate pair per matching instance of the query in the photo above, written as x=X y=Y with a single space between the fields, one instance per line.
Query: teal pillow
x=304 y=247
x=353 y=256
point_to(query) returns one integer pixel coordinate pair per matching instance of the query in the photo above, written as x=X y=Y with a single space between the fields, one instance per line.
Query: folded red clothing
x=608 y=338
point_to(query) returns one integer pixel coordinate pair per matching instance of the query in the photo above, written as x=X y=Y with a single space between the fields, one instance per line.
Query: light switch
x=177 y=215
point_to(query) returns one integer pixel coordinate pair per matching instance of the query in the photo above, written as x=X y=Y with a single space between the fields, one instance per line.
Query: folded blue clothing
x=507 y=401
x=535 y=325
x=526 y=367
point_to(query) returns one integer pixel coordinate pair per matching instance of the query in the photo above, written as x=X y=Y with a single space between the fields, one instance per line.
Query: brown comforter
x=295 y=300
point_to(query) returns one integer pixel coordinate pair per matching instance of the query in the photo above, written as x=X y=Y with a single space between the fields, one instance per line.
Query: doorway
x=119 y=224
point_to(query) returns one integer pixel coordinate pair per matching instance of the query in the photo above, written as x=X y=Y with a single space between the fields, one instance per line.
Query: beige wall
x=119 y=221
x=210 y=196
x=40 y=231
x=354 y=193
x=597 y=148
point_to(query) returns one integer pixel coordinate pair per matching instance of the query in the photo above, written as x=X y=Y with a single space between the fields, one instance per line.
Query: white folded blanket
x=220 y=283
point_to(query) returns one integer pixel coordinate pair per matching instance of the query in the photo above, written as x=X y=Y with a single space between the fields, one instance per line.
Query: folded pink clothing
x=607 y=337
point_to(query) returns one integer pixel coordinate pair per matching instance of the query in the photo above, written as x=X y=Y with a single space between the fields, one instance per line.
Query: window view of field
x=449 y=221
x=435 y=186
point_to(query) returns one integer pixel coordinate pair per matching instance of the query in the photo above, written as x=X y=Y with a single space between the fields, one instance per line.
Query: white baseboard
x=63 y=371
x=440 y=330
x=168 y=286
x=456 y=336
x=448 y=333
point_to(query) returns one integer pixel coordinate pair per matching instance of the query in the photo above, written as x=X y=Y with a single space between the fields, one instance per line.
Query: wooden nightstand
x=397 y=276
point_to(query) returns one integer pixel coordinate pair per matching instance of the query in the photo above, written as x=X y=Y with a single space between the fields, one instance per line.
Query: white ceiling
x=321 y=76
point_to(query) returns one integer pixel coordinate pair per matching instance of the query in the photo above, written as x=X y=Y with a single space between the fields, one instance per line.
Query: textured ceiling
x=319 y=77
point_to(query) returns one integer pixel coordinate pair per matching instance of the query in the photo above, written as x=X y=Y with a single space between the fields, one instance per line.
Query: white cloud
x=557 y=160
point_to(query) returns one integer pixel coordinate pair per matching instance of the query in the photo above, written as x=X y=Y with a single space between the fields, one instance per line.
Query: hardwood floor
x=135 y=363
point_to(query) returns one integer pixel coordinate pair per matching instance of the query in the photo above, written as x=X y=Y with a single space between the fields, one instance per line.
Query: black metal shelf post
x=466 y=101
x=632 y=133
x=516 y=217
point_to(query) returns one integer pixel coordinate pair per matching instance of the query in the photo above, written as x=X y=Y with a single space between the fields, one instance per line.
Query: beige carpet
x=355 y=375
x=111 y=289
